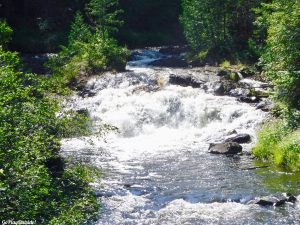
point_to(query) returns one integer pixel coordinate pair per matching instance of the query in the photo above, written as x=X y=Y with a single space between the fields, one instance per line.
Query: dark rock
x=180 y=80
x=247 y=72
x=173 y=50
x=229 y=148
x=82 y=111
x=223 y=73
x=265 y=201
x=196 y=63
x=86 y=93
x=291 y=198
x=249 y=99
x=281 y=202
x=241 y=139
x=219 y=89
x=170 y=62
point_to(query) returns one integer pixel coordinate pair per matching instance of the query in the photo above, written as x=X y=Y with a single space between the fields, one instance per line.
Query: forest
x=91 y=37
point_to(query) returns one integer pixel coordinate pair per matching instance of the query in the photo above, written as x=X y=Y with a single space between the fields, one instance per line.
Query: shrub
x=35 y=182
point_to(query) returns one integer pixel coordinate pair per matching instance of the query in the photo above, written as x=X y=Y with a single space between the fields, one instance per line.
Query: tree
x=281 y=57
x=104 y=15
x=222 y=27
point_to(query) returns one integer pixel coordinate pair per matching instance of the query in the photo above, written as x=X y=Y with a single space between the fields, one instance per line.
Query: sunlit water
x=157 y=169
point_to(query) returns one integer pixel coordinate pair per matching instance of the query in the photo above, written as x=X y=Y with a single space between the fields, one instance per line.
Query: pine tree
x=104 y=15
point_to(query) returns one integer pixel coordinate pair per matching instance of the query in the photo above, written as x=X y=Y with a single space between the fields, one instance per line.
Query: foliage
x=279 y=144
x=35 y=182
x=104 y=14
x=281 y=57
x=88 y=52
x=221 y=28
x=5 y=33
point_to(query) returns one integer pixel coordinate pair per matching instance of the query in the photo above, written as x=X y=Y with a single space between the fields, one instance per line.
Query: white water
x=157 y=168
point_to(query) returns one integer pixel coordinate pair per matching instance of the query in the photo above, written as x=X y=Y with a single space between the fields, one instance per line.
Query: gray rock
x=240 y=138
x=229 y=148
x=265 y=105
x=219 y=89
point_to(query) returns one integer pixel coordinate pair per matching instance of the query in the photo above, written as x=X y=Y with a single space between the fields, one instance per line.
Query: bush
x=35 y=182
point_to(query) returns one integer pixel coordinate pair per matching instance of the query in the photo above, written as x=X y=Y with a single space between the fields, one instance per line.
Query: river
x=157 y=169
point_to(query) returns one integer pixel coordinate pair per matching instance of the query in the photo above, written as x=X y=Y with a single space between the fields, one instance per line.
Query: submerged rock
x=240 y=138
x=229 y=148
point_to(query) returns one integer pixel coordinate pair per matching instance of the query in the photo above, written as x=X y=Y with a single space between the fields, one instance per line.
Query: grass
x=279 y=145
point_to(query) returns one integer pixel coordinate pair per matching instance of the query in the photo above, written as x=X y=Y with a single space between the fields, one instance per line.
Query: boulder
x=170 y=62
x=240 y=138
x=173 y=50
x=249 y=99
x=228 y=148
x=181 y=80
x=223 y=73
x=219 y=89
x=266 y=105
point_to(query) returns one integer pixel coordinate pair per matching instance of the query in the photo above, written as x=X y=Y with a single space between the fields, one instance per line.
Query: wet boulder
x=173 y=62
x=223 y=73
x=219 y=89
x=228 y=148
x=252 y=99
x=265 y=201
x=266 y=105
x=182 y=80
x=240 y=138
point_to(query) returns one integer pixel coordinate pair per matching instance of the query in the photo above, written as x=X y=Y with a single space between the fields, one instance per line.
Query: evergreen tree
x=104 y=14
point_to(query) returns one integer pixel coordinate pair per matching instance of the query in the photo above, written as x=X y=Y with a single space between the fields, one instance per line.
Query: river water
x=157 y=169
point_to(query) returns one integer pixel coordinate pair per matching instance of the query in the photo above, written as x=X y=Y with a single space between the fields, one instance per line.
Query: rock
x=173 y=50
x=291 y=198
x=223 y=73
x=219 y=89
x=265 y=105
x=247 y=72
x=229 y=148
x=239 y=92
x=249 y=99
x=86 y=93
x=180 y=80
x=241 y=139
x=272 y=201
x=265 y=201
x=170 y=62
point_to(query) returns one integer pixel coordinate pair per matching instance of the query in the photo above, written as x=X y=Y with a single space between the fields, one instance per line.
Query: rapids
x=157 y=169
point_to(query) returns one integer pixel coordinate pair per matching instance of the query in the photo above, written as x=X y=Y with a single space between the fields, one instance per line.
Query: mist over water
x=157 y=169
